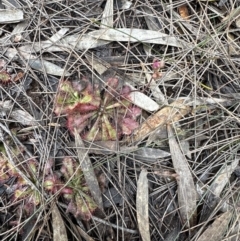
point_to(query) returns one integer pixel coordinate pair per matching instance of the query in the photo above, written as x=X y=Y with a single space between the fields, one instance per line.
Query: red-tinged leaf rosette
x=99 y=116
x=5 y=77
x=70 y=99
x=76 y=192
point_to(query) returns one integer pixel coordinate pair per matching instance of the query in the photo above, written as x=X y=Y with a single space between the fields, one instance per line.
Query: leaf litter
x=167 y=172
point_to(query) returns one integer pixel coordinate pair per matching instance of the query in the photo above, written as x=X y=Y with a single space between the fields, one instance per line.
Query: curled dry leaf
x=168 y=114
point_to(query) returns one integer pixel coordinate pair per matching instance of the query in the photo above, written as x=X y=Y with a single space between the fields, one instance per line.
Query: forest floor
x=119 y=120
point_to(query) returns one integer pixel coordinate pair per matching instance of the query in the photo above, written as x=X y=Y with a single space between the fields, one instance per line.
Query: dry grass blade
x=216 y=231
x=136 y=35
x=88 y=170
x=142 y=206
x=187 y=197
x=59 y=230
x=171 y=113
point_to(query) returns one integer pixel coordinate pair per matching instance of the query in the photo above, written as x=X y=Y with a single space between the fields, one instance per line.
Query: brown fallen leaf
x=168 y=114
x=183 y=11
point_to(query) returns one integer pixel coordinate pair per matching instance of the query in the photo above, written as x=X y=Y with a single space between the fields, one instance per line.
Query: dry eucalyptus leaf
x=10 y=16
x=59 y=229
x=23 y=117
x=216 y=188
x=141 y=100
x=142 y=206
x=10 y=4
x=47 y=67
x=18 y=31
x=147 y=154
x=83 y=233
x=88 y=170
x=187 y=196
x=107 y=15
x=233 y=14
x=223 y=178
x=137 y=35
x=108 y=147
x=185 y=147
x=39 y=46
x=78 y=42
x=168 y=114
x=96 y=64
x=59 y=35
x=35 y=63
x=217 y=229
x=210 y=102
